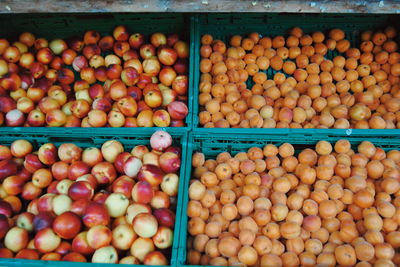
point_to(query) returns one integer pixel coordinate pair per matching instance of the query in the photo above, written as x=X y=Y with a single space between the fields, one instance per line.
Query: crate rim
x=311 y=131
x=119 y=131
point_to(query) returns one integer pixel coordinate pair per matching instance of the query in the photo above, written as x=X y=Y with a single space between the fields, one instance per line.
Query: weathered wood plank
x=316 y=6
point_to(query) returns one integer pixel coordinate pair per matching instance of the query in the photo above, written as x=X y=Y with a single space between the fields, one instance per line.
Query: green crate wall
x=224 y=26
x=85 y=139
x=66 y=26
x=211 y=144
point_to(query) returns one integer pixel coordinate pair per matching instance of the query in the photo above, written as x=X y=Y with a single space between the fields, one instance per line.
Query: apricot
x=248 y=255
x=196 y=190
x=290 y=230
x=209 y=179
x=271 y=260
x=229 y=246
x=336 y=34
x=327 y=209
x=213 y=229
x=276 y=63
x=196 y=226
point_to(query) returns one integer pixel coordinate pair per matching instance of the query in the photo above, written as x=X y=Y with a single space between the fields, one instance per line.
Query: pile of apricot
x=277 y=206
x=319 y=81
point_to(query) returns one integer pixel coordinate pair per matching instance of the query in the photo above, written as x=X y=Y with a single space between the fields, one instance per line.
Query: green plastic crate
x=84 y=139
x=68 y=25
x=211 y=144
x=224 y=26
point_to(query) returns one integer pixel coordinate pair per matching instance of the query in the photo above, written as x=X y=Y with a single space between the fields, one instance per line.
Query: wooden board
x=294 y=6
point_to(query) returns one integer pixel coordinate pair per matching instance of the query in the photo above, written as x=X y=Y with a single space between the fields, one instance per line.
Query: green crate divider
x=211 y=144
x=67 y=25
x=96 y=136
x=302 y=133
x=223 y=26
x=83 y=138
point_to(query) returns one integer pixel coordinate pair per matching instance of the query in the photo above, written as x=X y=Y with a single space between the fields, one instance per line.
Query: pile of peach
x=98 y=205
x=359 y=88
x=117 y=80
x=270 y=206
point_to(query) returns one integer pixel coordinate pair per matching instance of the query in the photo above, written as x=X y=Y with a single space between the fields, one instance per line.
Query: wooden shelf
x=201 y=6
